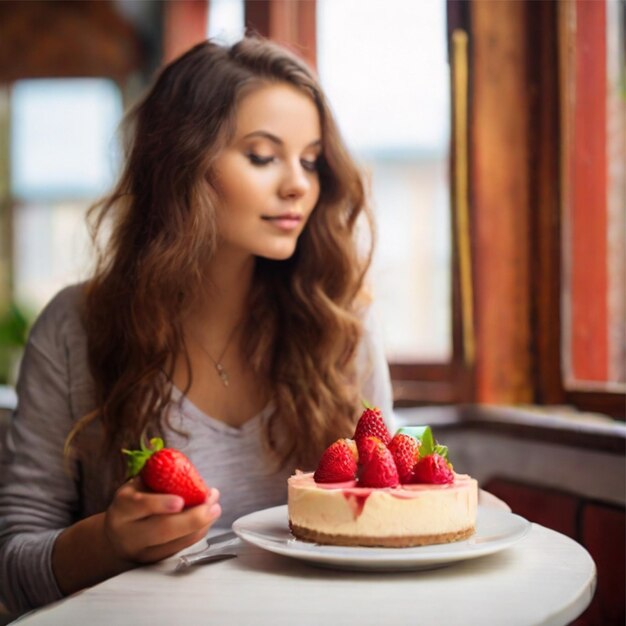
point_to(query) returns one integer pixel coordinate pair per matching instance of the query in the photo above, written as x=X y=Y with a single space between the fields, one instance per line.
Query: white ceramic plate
x=269 y=529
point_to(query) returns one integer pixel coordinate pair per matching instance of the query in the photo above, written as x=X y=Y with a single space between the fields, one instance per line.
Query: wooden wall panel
x=500 y=202
x=64 y=39
x=185 y=24
x=598 y=526
x=291 y=24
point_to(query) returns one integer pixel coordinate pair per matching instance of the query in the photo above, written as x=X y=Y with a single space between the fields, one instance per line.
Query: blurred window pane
x=64 y=154
x=62 y=137
x=52 y=250
x=226 y=20
x=384 y=68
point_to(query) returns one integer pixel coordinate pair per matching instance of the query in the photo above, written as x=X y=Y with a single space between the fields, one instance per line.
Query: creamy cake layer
x=347 y=510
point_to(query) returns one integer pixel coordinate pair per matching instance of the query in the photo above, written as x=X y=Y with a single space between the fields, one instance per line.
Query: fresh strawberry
x=380 y=469
x=166 y=470
x=405 y=452
x=433 y=469
x=338 y=462
x=371 y=424
x=366 y=446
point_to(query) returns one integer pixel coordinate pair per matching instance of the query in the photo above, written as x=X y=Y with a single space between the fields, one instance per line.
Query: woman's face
x=267 y=176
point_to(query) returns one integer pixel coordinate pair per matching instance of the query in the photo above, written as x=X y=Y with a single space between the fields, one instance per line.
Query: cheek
x=242 y=196
x=314 y=193
x=239 y=185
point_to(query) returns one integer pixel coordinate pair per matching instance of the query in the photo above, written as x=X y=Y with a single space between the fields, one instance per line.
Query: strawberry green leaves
x=137 y=458
x=424 y=436
x=167 y=470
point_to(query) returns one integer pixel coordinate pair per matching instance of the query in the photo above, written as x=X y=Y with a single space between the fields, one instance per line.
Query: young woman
x=227 y=314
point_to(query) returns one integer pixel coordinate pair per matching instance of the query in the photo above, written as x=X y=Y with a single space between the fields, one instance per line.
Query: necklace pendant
x=222 y=373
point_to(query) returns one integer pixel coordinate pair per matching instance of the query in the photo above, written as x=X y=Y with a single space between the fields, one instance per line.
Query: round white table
x=546 y=578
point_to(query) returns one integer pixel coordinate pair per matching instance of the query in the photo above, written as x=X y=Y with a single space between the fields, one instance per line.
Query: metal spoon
x=219 y=547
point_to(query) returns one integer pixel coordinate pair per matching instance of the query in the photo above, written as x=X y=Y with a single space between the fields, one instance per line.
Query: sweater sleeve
x=38 y=496
x=374 y=369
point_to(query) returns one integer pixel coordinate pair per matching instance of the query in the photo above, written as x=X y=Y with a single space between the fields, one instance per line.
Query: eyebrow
x=277 y=140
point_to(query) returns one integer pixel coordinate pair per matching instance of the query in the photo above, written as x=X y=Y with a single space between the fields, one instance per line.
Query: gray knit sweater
x=39 y=497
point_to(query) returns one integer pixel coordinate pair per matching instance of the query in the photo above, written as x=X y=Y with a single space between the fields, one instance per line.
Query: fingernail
x=215 y=510
x=175 y=504
x=213 y=496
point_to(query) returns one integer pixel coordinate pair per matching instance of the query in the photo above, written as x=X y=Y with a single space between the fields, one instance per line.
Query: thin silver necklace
x=219 y=367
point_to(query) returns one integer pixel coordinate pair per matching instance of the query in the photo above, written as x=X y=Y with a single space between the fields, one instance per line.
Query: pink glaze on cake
x=350 y=487
x=357 y=501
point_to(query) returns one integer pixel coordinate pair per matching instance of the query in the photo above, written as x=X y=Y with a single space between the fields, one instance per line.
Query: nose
x=295 y=182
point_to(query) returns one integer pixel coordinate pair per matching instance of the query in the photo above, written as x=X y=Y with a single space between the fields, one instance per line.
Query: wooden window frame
x=56 y=40
x=536 y=105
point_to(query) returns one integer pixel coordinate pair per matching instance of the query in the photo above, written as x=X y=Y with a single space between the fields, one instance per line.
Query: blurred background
x=536 y=230
x=493 y=138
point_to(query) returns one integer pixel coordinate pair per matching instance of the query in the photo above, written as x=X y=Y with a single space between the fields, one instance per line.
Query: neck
x=221 y=306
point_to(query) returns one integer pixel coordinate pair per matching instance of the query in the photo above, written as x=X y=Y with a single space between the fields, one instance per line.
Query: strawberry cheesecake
x=374 y=490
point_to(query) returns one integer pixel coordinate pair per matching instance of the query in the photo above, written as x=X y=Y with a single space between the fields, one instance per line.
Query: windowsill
x=549 y=424
x=576 y=453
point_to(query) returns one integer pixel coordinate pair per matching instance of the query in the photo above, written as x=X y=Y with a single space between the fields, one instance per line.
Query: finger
x=156 y=504
x=213 y=497
x=176 y=545
x=162 y=529
x=157 y=553
x=132 y=504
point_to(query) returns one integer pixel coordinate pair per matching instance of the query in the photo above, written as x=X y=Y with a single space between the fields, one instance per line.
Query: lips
x=283 y=216
x=284 y=221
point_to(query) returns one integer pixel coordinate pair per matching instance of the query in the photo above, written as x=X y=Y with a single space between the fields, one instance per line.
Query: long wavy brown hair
x=303 y=325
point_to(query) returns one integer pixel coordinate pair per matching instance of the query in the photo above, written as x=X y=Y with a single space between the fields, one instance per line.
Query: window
x=64 y=155
x=548 y=280
x=226 y=20
x=395 y=55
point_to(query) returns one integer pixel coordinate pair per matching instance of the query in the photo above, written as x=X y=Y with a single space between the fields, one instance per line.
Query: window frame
x=540 y=77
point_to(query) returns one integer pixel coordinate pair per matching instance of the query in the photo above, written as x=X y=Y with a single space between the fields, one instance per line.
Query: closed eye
x=310 y=166
x=255 y=159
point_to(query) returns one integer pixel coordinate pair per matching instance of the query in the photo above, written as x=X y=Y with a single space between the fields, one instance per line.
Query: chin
x=279 y=253
x=278 y=256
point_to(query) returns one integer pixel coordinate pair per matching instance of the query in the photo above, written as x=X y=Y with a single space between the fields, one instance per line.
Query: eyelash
x=255 y=159
x=310 y=166
x=259 y=161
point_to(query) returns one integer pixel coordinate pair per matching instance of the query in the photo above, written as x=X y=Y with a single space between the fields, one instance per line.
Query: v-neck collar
x=190 y=409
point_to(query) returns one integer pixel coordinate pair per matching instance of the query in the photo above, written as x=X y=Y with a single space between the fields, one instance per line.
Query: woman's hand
x=145 y=527
x=138 y=527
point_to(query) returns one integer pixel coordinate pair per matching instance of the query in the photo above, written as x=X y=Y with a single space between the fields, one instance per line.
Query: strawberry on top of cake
x=379 y=490
x=375 y=459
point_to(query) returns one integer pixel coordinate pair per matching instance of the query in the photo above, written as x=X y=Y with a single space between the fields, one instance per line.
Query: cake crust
x=313 y=536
